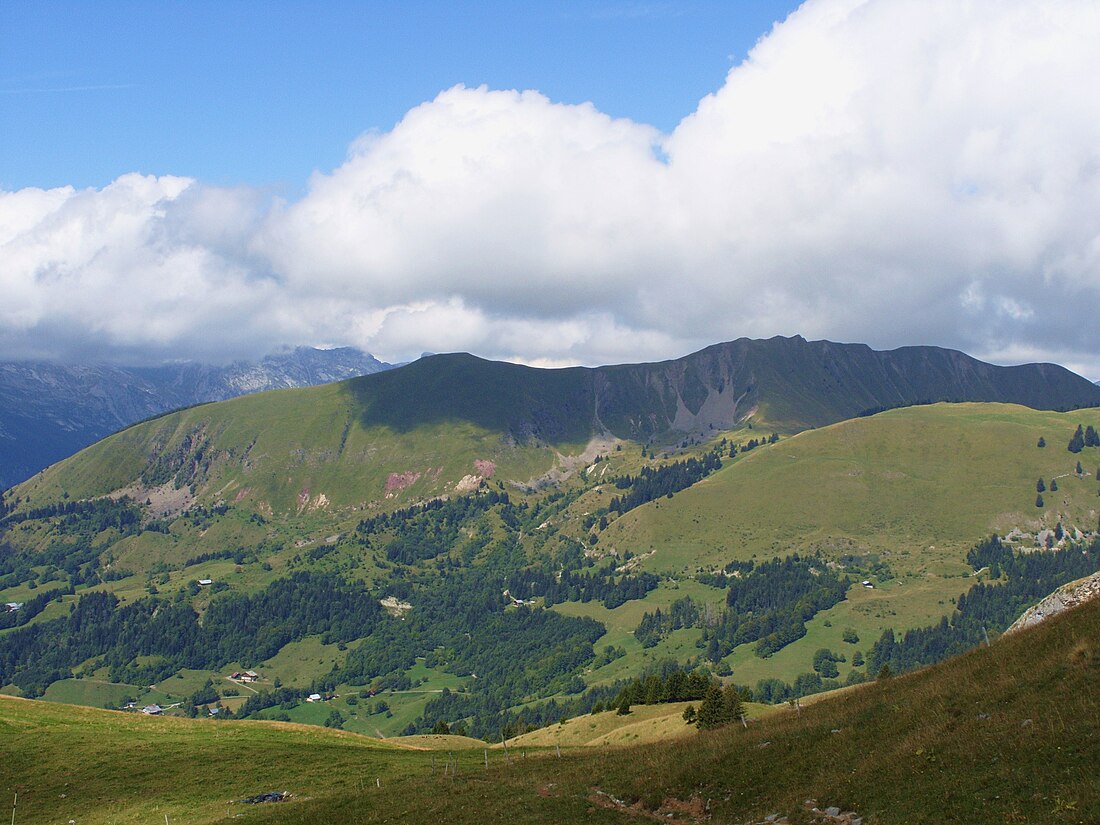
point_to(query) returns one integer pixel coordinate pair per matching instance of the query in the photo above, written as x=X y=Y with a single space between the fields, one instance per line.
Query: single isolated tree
x=1042 y=442
x=711 y=710
x=1040 y=486
x=1039 y=500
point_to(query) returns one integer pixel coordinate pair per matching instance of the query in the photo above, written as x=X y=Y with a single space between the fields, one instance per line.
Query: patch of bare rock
x=1065 y=597
x=831 y=815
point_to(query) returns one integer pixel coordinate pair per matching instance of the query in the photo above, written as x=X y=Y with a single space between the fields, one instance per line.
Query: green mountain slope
x=1005 y=733
x=913 y=484
x=427 y=423
x=289 y=450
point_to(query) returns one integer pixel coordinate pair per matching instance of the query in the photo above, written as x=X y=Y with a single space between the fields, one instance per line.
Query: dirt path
x=240 y=684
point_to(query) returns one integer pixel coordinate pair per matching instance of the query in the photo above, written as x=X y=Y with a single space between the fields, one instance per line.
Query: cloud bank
x=888 y=171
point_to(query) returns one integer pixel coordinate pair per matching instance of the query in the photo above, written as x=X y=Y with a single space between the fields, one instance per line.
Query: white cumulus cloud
x=889 y=171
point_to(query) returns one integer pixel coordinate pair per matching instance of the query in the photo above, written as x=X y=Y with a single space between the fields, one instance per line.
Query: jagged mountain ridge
x=791 y=383
x=49 y=411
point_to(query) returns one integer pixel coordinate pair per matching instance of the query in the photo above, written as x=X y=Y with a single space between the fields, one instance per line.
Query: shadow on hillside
x=527 y=404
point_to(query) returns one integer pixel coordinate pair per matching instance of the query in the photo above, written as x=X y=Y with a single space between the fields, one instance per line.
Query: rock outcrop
x=1065 y=597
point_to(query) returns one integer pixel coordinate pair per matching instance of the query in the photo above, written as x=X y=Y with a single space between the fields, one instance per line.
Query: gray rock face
x=1065 y=597
x=49 y=411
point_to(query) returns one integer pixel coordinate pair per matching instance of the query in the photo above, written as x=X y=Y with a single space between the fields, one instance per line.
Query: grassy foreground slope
x=1008 y=733
x=917 y=486
x=645 y=724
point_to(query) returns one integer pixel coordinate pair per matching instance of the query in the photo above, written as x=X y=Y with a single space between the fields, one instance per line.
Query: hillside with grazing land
x=913 y=486
x=1004 y=733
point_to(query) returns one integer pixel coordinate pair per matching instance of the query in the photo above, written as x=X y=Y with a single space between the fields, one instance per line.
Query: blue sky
x=264 y=93
x=581 y=183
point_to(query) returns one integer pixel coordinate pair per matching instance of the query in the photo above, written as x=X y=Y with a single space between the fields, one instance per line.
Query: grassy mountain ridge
x=428 y=422
x=902 y=481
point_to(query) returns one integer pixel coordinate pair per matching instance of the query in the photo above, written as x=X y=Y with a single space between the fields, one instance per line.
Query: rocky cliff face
x=1065 y=597
x=49 y=411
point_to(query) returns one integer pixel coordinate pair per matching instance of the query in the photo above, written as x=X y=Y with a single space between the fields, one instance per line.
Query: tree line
x=652 y=483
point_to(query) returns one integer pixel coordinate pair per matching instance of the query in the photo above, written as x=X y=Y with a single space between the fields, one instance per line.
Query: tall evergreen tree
x=731 y=705
x=711 y=709
x=1077 y=443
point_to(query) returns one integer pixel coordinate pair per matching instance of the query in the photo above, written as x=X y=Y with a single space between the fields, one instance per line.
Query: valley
x=511 y=559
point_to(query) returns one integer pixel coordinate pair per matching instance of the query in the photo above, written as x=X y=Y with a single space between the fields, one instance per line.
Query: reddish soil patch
x=485 y=468
x=399 y=481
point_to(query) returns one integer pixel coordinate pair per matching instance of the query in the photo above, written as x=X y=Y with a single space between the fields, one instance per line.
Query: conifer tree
x=1054 y=485
x=711 y=709
x=731 y=705
x=1039 y=500
x=714 y=650
x=1092 y=438
x=1040 y=486
x=1042 y=442
x=1077 y=443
